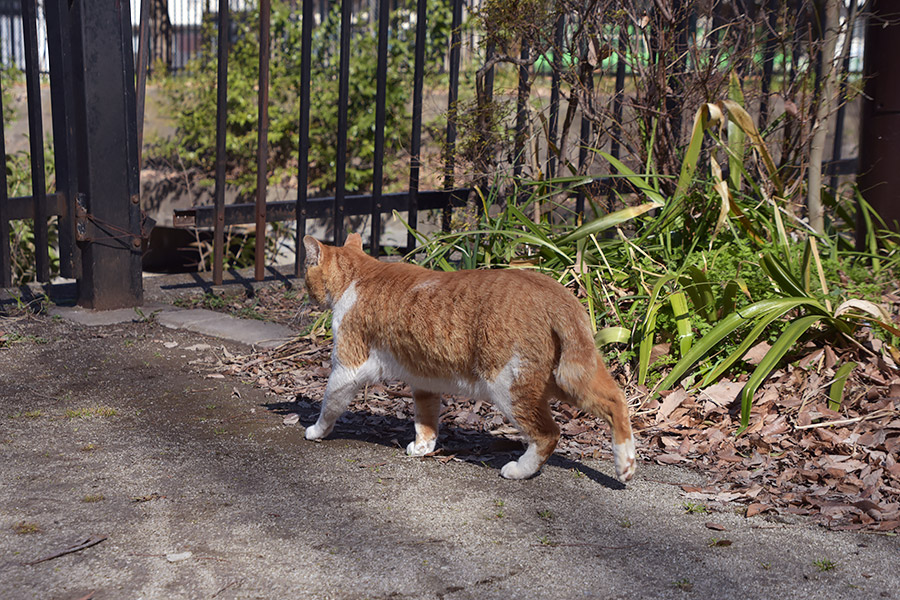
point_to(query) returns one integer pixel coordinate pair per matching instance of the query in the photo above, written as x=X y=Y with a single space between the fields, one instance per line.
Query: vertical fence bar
x=143 y=60
x=584 y=139
x=521 y=114
x=878 y=174
x=837 y=146
x=482 y=178
x=770 y=8
x=59 y=46
x=221 y=125
x=675 y=95
x=618 y=99
x=262 y=140
x=36 y=140
x=554 y=96
x=452 y=100
x=416 y=136
x=5 y=262
x=303 y=152
x=384 y=16
x=343 y=102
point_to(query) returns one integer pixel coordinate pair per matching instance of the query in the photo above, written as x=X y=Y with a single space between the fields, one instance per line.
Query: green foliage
x=191 y=97
x=9 y=76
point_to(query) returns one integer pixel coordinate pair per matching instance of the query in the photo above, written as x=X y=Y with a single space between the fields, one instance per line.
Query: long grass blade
x=706 y=116
x=772 y=357
x=735 y=136
x=607 y=221
x=836 y=392
x=749 y=339
x=648 y=330
x=743 y=120
x=682 y=322
x=638 y=181
x=612 y=335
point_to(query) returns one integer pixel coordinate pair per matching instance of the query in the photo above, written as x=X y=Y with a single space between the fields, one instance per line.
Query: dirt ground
x=118 y=433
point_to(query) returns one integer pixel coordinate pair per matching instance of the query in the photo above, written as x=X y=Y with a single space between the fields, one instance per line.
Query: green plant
x=90 y=412
x=694 y=508
x=26 y=528
x=683 y=584
x=21 y=233
x=824 y=564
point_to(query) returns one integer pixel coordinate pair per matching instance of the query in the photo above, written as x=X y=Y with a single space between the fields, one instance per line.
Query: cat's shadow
x=470 y=446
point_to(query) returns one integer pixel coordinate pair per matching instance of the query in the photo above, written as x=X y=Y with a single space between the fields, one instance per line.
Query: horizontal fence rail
x=318 y=208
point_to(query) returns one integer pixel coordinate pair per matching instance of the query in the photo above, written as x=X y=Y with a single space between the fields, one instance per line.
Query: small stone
x=178 y=556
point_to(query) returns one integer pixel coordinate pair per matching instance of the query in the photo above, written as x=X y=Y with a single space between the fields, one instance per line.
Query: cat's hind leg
x=531 y=413
x=428 y=410
x=343 y=383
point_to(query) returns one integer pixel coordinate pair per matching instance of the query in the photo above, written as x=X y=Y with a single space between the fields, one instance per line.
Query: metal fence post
x=109 y=218
x=879 y=157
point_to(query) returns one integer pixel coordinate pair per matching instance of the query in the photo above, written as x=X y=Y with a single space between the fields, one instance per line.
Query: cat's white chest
x=344 y=304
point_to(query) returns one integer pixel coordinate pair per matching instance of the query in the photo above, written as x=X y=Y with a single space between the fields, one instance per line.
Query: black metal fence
x=94 y=203
x=340 y=206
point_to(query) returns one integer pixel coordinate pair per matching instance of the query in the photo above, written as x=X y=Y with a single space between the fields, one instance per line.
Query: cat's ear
x=313 y=251
x=354 y=240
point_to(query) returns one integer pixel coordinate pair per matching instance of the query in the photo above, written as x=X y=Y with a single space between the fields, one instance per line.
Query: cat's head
x=330 y=269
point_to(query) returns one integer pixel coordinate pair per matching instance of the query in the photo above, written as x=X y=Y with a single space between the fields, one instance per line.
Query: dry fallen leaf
x=756 y=508
x=671 y=402
x=755 y=354
x=722 y=393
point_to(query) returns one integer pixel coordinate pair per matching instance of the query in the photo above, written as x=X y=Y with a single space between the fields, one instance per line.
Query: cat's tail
x=582 y=375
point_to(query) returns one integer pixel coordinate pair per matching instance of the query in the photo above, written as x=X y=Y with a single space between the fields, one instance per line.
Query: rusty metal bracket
x=82 y=217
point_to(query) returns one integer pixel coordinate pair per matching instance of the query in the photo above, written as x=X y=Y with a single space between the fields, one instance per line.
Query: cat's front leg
x=343 y=384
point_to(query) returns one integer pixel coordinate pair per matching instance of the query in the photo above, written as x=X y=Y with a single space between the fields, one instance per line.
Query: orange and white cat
x=512 y=337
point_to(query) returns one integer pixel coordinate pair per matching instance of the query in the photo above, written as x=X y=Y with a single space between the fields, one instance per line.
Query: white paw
x=420 y=449
x=626 y=460
x=316 y=432
x=513 y=470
